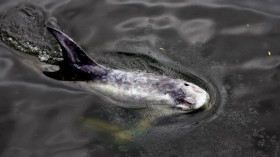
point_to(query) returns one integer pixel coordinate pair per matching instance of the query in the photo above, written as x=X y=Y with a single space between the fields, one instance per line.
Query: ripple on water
x=132 y=61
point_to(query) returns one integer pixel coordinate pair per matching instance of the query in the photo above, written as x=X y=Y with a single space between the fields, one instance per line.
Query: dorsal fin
x=72 y=52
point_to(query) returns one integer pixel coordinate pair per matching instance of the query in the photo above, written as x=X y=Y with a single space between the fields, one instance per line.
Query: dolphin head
x=188 y=96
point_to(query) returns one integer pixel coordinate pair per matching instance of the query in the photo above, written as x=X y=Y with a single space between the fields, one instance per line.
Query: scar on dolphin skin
x=121 y=85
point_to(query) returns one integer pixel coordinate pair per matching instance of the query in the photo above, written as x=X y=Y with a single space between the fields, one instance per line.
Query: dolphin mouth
x=185 y=106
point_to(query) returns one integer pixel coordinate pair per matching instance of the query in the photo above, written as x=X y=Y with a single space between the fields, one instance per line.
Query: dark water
x=231 y=48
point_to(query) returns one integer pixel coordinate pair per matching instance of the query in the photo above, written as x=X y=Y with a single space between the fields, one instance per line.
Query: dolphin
x=129 y=87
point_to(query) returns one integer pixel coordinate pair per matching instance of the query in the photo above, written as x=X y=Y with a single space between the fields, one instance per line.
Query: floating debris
x=247 y=25
x=162 y=49
x=269 y=53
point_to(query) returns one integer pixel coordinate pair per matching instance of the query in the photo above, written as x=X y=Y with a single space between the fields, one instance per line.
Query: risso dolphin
x=129 y=87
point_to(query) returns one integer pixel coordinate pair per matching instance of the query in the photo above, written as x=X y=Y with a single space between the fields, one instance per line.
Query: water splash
x=23 y=28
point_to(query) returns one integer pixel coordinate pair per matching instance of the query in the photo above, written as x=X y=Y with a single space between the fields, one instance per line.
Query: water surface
x=231 y=48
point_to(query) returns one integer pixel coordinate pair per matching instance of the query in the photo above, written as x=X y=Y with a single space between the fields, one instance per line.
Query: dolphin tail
x=72 y=55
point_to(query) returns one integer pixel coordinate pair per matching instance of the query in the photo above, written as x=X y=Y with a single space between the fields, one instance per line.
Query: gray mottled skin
x=137 y=85
x=124 y=85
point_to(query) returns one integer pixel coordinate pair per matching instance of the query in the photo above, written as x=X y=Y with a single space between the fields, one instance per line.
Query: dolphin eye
x=186 y=84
